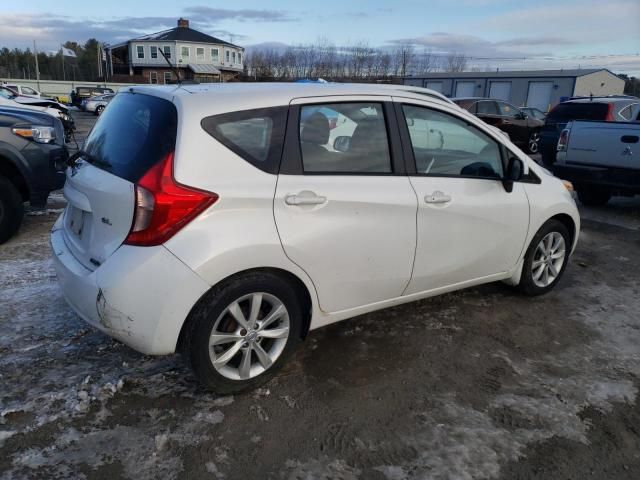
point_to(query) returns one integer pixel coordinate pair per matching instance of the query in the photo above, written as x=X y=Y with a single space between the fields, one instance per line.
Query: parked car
x=601 y=158
x=217 y=223
x=31 y=149
x=84 y=93
x=535 y=113
x=8 y=98
x=523 y=129
x=606 y=109
x=25 y=91
x=97 y=104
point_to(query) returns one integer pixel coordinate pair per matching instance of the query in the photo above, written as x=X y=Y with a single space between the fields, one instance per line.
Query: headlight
x=37 y=133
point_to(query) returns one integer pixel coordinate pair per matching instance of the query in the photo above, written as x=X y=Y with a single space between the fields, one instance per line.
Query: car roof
x=604 y=99
x=279 y=93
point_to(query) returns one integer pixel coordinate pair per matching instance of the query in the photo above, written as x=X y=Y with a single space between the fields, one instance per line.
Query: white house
x=198 y=56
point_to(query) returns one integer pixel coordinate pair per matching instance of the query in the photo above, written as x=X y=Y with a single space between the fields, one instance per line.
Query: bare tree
x=456 y=62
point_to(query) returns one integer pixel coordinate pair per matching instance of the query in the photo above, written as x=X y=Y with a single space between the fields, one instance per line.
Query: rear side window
x=487 y=108
x=255 y=135
x=565 y=112
x=132 y=135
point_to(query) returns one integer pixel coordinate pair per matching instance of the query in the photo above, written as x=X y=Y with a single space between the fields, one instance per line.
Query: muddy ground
x=481 y=383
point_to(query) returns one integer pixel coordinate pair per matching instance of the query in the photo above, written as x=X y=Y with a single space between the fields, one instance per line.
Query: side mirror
x=515 y=170
x=342 y=144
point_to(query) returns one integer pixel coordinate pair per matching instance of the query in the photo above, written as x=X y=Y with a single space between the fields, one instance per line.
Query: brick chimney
x=183 y=23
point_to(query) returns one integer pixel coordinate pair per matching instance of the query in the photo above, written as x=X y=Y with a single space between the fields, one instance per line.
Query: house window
x=239 y=57
x=233 y=55
x=153 y=78
x=228 y=54
x=167 y=51
x=167 y=77
x=140 y=50
x=214 y=55
x=184 y=53
x=200 y=54
x=153 y=50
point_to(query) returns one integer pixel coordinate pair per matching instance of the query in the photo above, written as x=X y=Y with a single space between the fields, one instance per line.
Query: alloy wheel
x=548 y=259
x=534 y=141
x=249 y=336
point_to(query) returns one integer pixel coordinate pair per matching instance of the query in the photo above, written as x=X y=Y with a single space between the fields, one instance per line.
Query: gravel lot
x=481 y=383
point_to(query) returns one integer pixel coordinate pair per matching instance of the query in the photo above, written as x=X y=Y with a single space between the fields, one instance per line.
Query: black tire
x=11 y=210
x=99 y=110
x=527 y=285
x=592 y=196
x=195 y=345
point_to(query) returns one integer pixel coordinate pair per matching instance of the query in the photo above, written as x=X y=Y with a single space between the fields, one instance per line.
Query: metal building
x=541 y=89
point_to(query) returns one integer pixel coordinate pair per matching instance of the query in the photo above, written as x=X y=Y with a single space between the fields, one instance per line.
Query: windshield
x=132 y=135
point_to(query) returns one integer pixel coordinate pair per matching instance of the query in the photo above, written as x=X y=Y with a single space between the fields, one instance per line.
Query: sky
x=504 y=34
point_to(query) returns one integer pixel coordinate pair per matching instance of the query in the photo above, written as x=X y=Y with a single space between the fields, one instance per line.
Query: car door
x=344 y=207
x=469 y=227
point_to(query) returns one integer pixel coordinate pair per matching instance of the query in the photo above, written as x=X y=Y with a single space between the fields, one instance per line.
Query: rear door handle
x=305 y=198
x=437 y=197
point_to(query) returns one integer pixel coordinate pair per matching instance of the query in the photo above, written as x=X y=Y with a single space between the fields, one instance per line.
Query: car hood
x=39 y=102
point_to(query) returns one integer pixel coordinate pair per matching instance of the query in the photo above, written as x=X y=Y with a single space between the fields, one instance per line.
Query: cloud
x=50 y=29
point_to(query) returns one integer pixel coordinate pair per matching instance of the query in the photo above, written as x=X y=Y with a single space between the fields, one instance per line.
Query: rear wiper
x=93 y=160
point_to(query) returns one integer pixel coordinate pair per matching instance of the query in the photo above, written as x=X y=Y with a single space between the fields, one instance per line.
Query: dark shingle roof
x=184 y=34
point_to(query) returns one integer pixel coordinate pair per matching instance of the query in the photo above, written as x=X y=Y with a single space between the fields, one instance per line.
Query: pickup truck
x=601 y=159
x=32 y=155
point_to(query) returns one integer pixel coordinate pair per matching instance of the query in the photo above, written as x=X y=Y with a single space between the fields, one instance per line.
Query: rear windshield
x=132 y=135
x=564 y=112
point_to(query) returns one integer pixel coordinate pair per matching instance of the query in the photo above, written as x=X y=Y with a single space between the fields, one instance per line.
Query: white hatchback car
x=216 y=220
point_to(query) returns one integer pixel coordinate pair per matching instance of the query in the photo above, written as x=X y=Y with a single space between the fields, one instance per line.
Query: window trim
x=182 y=47
x=138 y=51
x=407 y=147
x=164 y=77
x=167 y=50
x=151 y=47
x=153 y=74
x=215 y=58
x=198 y=55
x=291 y=163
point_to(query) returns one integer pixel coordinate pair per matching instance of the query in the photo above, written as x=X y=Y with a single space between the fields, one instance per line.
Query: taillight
x=563 y=140
x=163 y=206
x=609 y=116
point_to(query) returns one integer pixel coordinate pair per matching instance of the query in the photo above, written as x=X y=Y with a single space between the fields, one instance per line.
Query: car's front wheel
x=241 y=333
x=534 y=142
x=99 y=110
x=546 y=259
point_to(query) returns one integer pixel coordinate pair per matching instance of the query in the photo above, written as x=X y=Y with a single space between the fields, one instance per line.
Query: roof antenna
x=173 y=68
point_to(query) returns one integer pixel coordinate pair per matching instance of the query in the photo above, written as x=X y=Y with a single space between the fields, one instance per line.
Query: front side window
x=215 y=55
x=140 y=49
x=200 y=54
x=344 y=138
x=507 y=110
x=29 y=91
x=184 y=53
x=444 y=145
x=167 y=51
x=153 y=51
x=255 y=135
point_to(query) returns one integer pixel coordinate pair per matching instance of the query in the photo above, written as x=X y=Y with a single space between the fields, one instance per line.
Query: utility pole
x=35 y=53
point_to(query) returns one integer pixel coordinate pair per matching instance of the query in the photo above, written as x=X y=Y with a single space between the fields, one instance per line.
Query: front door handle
x=305 y=198
x=437 y=197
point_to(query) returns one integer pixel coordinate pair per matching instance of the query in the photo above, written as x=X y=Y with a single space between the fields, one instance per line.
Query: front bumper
x=140 y=295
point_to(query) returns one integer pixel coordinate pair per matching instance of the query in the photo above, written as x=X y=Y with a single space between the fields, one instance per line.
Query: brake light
x=163 y=206
x=563 y=140
x=609 y=116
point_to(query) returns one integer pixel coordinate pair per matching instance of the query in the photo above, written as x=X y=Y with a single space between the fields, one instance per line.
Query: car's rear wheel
x=11 y=209
x=99 y=109
x=546 y=259
x=534 y=142
x=241 y=333
x=593 y=196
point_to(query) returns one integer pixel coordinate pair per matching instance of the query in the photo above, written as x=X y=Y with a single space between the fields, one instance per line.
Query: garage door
x=500 y=91
x=437 y=86
x=539 y=95
x=465 y=89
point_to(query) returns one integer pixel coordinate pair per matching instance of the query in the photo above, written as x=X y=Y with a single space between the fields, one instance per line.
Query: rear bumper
x=620 y=179
x=140 y=295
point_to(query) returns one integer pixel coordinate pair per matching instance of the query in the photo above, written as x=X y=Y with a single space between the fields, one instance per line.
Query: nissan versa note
x=226 y=221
